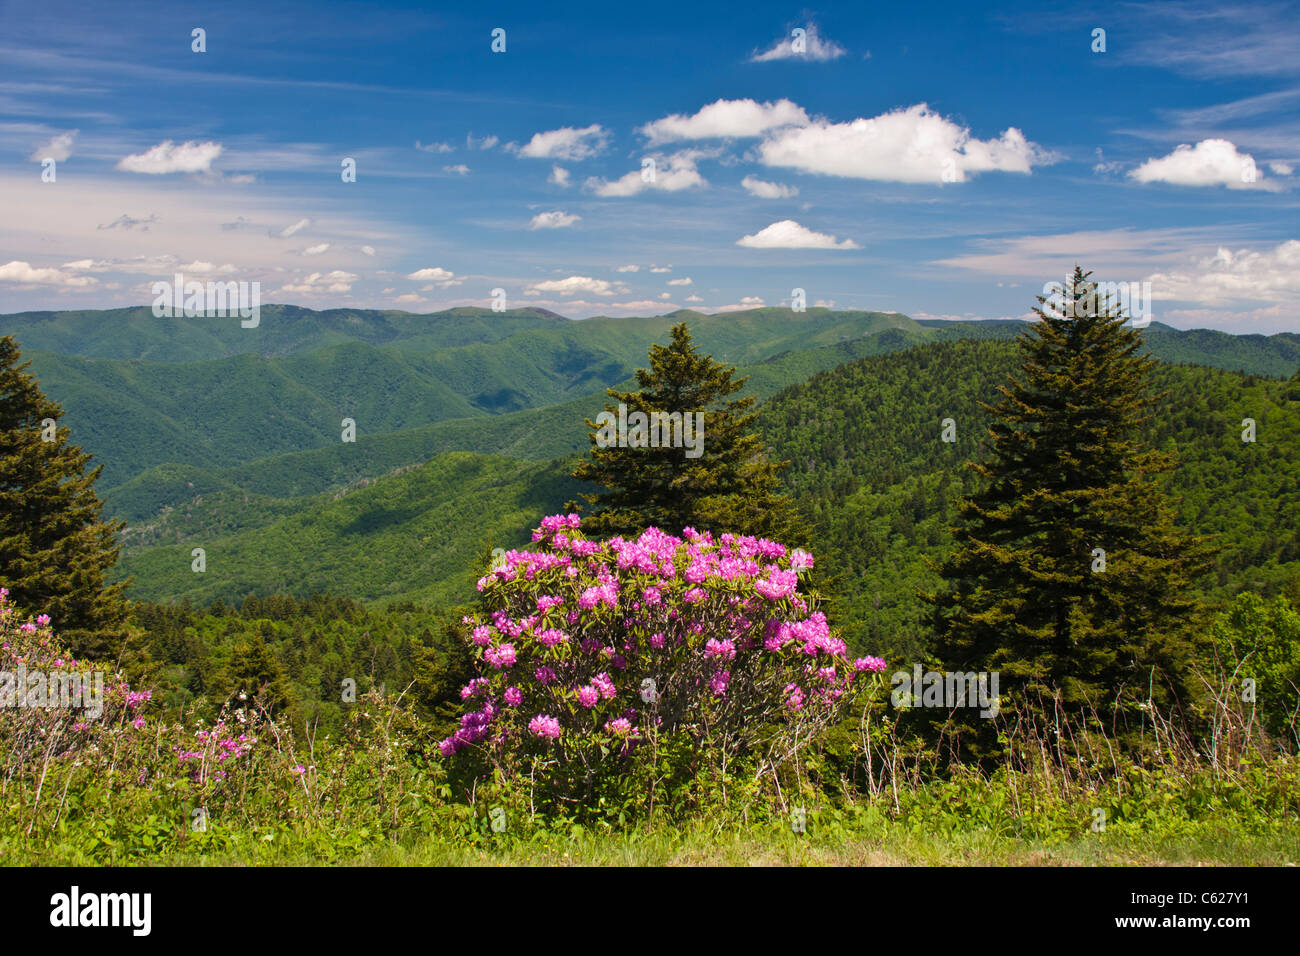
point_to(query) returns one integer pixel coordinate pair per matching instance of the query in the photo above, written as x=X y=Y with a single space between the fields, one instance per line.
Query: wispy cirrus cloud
x=555 y=219
x=1211 y=40
x=57 y=148
x=805 y=44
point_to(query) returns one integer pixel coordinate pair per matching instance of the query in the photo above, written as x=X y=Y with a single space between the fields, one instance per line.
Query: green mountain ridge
x=422 y=535
x=134 y=414
x=538 y=434
x=867 y=466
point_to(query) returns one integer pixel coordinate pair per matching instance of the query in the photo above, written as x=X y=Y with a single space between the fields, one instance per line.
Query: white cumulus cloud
x=725 y=119
x=911 y=145
x=167 y=157
x=567 y=143
x=553 y=220
x=23 y=273
x=58 y=148
x=1270 y=275
x=336 y=281
x=432 y=274
x=575 y=285
x=765 y=190
x=1211 y=162
x=788 y=234
x=673 y=174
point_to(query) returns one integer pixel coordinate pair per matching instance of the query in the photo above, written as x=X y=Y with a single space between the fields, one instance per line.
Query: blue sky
x=937 y=160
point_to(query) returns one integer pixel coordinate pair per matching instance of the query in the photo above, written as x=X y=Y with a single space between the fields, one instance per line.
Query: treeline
x=301 y=659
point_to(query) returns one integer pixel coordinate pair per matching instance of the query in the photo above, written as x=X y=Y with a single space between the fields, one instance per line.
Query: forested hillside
x=228 y=439
x=868 y=467
x=217 y=399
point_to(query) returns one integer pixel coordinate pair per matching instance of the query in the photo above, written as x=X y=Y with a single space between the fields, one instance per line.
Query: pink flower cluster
x=572 y=632
x=545 y=727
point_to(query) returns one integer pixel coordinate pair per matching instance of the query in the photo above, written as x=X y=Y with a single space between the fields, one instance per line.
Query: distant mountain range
x=229 y=438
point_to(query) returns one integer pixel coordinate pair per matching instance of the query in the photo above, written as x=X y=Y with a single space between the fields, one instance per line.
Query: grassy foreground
x=702 y=845
x=941 y=827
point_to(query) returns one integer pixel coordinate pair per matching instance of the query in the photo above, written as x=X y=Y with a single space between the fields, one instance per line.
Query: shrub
x=604 y=667
x=1259 y=641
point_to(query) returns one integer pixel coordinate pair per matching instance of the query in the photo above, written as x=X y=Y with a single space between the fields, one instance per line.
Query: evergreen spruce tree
x=1069 y=576
x=731 y=486
x=55 y=548
x=254 y=671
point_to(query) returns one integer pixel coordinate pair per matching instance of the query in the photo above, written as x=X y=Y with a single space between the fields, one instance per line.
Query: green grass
x=698 y=843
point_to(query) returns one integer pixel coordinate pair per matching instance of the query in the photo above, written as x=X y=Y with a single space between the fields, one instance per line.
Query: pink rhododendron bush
x=616 y=664
x=75 y=738
x=58 y=712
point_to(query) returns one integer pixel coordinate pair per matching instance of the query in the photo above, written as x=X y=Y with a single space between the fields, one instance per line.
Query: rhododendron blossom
x=708 y=636
x=544 y=726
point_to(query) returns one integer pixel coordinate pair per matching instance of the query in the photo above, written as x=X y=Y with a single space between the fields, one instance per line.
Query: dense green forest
x=870 y=468
x=306 y=650
x=867 y=466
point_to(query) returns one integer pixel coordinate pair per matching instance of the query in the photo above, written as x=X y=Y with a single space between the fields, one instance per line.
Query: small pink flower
x=551 y=637
x=545 y=726
x=500 y=657
x=619 y=726
x=724 y=649
x=514 y=696
x=603 y=684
